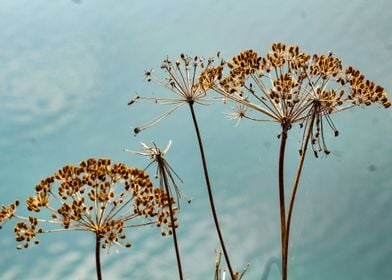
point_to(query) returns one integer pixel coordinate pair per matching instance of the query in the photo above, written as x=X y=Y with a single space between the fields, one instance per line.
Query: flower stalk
x=166 y=179
x=172 y=220
x=288 y=87
x=189 y=86
x=98 y=256
x=283 y=231
x=210 y=195
x=293 y=195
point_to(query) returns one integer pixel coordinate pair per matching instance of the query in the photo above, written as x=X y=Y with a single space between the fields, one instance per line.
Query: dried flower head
x=289 y=86
x=94 y=196
x=164 y=173
x=163 y=168
x=184 y=80
x=7 y=212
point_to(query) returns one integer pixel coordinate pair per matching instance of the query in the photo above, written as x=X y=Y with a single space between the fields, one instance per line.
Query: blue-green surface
x=67 y=71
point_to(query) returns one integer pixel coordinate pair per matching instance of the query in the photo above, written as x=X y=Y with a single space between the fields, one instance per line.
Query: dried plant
x=185 y=79
x=220 y=274
x=288 y=86
x=285 y=86
x=182 y=80
x=166 y=176
x=95 y=196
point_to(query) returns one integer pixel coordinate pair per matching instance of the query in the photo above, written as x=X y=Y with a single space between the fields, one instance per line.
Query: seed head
x=289 y=86
x=185 y=78
x=95 y=196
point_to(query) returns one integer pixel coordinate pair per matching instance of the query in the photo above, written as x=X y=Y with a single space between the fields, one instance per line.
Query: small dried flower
x=184 y=78
x=165 y=174
x=163 y=167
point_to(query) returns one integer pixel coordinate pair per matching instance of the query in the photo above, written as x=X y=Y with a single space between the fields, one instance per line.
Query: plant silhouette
x=288 y=87
x=184 y=78
x=285 y=86
x=95 y=196
x=165 y=174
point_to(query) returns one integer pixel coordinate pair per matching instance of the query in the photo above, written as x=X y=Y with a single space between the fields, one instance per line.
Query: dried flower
x=184 y=80
x=94 y=196
x=163 y=168
x=288 y=86
x=165 y=174
x=187 y=78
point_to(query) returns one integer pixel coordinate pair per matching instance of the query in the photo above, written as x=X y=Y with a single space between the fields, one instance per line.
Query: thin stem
x=116 y=211
x=211 y=198
x=296 y=182
x=38 y=220
x=176 y=246
x=217 y=265
x=98 y=256
x=283 y=140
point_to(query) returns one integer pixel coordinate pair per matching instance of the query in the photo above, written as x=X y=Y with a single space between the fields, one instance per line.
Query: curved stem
x=296 y=182
x=98 y=256
x=166 y=183
x=211 y=198
x=283 y=140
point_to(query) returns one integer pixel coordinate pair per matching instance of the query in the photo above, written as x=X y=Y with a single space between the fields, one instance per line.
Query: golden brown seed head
x=97 y=196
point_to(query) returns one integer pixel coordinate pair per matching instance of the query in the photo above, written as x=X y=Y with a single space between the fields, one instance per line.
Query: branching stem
x=295 y=186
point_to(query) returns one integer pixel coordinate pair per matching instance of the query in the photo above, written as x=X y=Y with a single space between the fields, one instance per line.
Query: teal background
x=67 y=71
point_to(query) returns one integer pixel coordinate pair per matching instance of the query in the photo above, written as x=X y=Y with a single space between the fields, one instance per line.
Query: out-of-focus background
x=67 y=71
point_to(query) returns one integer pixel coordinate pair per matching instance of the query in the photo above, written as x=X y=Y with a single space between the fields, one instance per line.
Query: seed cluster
x=364 y=91
x=301 y=77
x=209 y=77
x=94 y=196
x=289 y=86
x=7 y=212
x=182 y=76
x=25 y=232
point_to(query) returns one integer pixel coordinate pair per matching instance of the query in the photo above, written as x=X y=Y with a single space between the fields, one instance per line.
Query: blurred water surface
x=67 y=71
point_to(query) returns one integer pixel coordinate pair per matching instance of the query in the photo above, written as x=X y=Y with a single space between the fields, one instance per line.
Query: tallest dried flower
x=288 y=86
x=285 y=82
